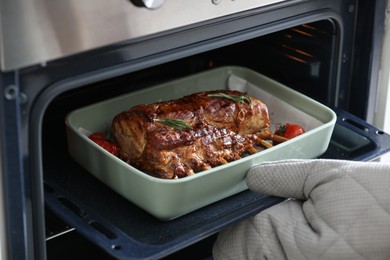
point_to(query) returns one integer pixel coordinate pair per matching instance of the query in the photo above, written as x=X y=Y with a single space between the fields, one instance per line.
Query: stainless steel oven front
x=57 y=56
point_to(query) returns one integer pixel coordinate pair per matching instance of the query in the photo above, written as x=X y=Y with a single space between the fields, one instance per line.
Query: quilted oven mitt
x=337 y=210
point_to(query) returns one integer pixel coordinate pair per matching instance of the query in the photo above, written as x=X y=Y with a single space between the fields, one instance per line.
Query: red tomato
x=101 y=139
x=289 y=131
x=98 y=135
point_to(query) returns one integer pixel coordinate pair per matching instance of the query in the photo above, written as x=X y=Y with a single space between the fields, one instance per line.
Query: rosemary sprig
x=178 y=124
x=232 y=98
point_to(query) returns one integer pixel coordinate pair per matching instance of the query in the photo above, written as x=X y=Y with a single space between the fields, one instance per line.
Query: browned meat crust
x=217 y=130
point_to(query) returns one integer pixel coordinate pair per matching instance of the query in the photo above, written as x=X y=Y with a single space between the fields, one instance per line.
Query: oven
x=58 y=56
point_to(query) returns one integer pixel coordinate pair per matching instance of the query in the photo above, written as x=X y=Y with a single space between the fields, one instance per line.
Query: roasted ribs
x=181 y=137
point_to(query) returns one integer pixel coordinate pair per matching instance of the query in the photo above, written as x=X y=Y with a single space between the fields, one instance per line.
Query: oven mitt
x=338 y=210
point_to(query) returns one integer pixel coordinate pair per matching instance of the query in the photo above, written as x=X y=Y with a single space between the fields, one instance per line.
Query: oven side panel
x=382 y=104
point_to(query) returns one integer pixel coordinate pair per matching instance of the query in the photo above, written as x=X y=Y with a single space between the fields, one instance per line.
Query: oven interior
x=85 y=215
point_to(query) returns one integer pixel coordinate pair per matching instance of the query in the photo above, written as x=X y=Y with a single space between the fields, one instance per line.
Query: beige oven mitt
x=338 y=210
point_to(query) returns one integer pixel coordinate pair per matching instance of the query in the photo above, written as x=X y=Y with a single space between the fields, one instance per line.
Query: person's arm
x=338 y=210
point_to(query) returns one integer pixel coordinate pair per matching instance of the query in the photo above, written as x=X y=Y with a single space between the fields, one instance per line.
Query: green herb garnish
x=232 y=98
x=178 y=124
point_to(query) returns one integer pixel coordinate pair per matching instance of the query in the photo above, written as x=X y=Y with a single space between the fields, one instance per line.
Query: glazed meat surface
x=181 y=137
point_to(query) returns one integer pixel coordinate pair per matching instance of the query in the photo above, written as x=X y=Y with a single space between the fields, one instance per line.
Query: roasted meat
x=178 y=138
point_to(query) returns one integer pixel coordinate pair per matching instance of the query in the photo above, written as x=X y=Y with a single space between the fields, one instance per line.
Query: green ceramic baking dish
x=169 y=199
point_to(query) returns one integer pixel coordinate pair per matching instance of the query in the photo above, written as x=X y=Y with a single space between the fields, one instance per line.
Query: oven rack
x=127 y=232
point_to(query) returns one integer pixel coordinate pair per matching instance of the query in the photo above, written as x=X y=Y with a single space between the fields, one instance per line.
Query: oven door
x=314 y=47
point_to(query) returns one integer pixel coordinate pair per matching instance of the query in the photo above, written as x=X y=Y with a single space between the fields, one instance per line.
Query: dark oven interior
x=320 y=52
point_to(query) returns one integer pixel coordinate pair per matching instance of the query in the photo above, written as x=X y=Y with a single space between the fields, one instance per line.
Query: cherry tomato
x=98 y=135
x=101 y=139
x=288 y=131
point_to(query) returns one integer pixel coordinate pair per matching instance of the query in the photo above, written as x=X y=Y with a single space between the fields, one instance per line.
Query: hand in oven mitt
x=338 y=210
